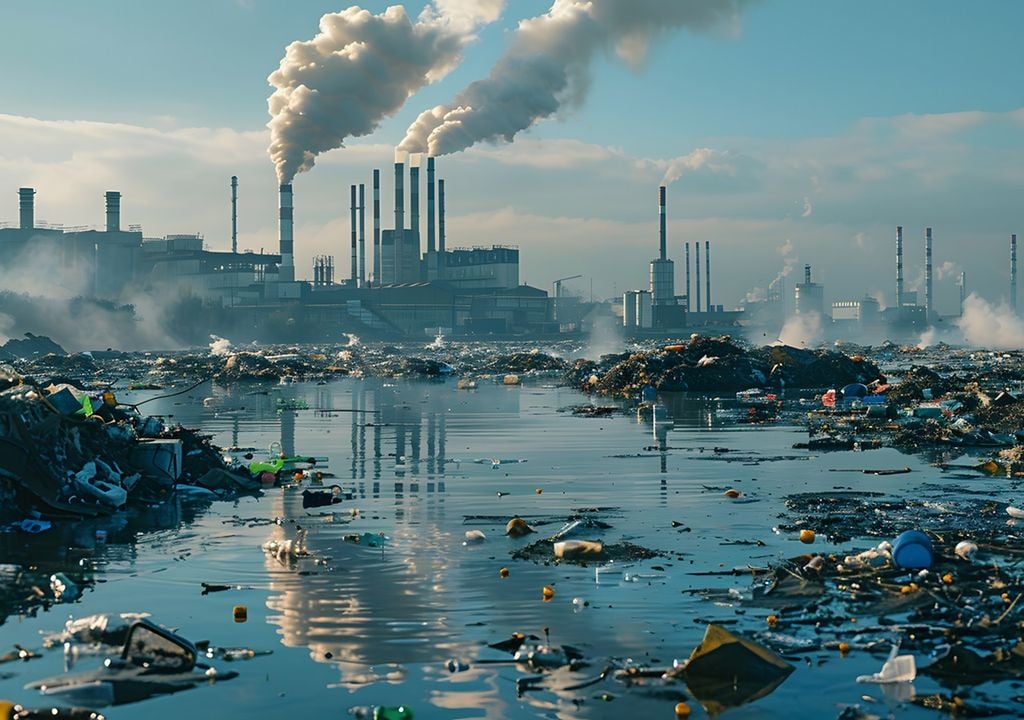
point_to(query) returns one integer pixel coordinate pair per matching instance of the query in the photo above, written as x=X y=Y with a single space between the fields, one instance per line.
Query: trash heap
x=718 y=364
x=932 y=587
x=66 y=451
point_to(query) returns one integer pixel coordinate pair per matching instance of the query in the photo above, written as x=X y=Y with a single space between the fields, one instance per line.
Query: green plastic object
x=384 y=712
x=86 y=407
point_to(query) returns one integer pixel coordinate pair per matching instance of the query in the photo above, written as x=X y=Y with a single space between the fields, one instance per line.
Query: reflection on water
x=363 y=625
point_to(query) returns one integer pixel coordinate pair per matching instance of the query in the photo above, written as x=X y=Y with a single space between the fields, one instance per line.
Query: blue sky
x=869 y=114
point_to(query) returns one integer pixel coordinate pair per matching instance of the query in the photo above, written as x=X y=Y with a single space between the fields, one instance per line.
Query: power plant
x=412 y=283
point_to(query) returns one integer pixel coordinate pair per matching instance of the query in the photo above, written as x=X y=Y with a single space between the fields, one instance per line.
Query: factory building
x=808 y=297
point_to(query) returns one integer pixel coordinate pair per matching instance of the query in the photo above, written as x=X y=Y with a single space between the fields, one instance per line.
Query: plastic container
x=912 y=550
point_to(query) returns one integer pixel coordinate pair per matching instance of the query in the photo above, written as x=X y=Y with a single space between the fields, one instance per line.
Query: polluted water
x=409 y=534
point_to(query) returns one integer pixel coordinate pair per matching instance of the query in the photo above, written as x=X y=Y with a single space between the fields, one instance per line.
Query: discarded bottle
x=577 y=548
x=912 y=550
x=898 y=668
x=384 y=712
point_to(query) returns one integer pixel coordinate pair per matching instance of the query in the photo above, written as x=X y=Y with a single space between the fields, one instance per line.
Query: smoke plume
x=988 y=326
x=547 y=67
x=359 y=69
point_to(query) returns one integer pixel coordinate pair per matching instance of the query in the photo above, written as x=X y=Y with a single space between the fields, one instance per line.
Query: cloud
x=808 y=208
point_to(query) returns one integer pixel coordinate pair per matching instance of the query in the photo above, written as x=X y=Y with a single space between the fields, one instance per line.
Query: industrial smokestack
x=285 y=224
x=807 y=274
x=928 y=273
x=376 y=225
x=696 y=249
x=414 y=199
x=440 y=226
x=899 y=266
x=963 y=290
x=352 y=224
x=1013 y=272
x=686 y=248
x=662 y=250
x=113 y=211
x=399 y=198
x=27 y=207
x=707 y=274
x=234 y=213
x=430 y=205
x=362 y=235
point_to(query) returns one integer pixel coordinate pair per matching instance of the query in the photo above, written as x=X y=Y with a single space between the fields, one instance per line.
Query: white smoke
x=221 y=347
x=547 y=67
x=946 y=269
x=802 y=330
x=988 y=326
x=359 y=69
x=808 y=208
x=702 y=158
x=6 y=325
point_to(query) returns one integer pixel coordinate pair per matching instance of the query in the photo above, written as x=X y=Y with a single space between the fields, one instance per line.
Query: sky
x=801 y=131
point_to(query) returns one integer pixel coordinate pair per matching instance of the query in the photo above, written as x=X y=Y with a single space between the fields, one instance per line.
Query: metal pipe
x=113 y=211
x=27 y=208
x=928 y=273
x=362 y=235
x=686 y=249
x=234 y=213
x=430 y=205
x=707 y=274
x=662 y=249
x=899 y=266
x=352 y=224
x=376 y=225
x=696 y=248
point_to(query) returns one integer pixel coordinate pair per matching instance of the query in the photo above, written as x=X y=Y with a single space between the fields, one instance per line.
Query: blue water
x=359 y=626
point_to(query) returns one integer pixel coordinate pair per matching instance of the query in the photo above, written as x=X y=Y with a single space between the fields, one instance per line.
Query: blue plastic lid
x=912 y=550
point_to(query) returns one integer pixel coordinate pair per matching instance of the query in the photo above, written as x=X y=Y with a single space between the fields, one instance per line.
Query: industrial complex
x=400 y=286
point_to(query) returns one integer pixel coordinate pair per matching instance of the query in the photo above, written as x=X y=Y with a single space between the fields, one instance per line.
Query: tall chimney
x=113 y=211
x=414 y=199
x=686 y=248
x=662 y=250
x=440 y=228
x=696 y=249
x=430 y=205
x=362 y=235
x=899 y=266
x=234 y=213
x=27 y=207
x=928 y=273
x=707 y=274
x=287 y=268
x=807 y=274
x=399 y=199
x=352 y=224
x=963 y=290
x=376 y=225
x=1013 y=272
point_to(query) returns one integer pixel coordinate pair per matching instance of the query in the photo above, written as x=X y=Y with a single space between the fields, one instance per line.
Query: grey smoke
x=547 y=67
x=359 y=69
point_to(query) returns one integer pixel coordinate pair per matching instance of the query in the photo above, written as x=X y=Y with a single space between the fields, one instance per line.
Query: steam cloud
x=988 y=326
x=359 y=69
x=547 y=66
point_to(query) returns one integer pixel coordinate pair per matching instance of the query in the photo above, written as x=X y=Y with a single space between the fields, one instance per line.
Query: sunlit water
x=361 y=626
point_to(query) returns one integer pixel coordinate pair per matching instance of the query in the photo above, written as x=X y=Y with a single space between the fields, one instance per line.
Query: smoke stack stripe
x=430 y=204
x=414 y=204
x=376 y=225
x=707 y=274
x=113 y=211
x=928 y=273
x=686 y=250
x=27 y=208
x=362 y=235
x=696 y=249
x=899 y=266
x=234 y=213
x=399 y=198
x=285 y=227
x=662 y=249
x=352 y=225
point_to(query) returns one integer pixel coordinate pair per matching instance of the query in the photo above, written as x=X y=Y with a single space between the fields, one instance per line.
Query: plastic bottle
x=385 y=712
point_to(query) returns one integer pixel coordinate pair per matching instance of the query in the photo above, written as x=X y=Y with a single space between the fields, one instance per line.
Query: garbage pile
x=718 y=364
x=67 y=451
